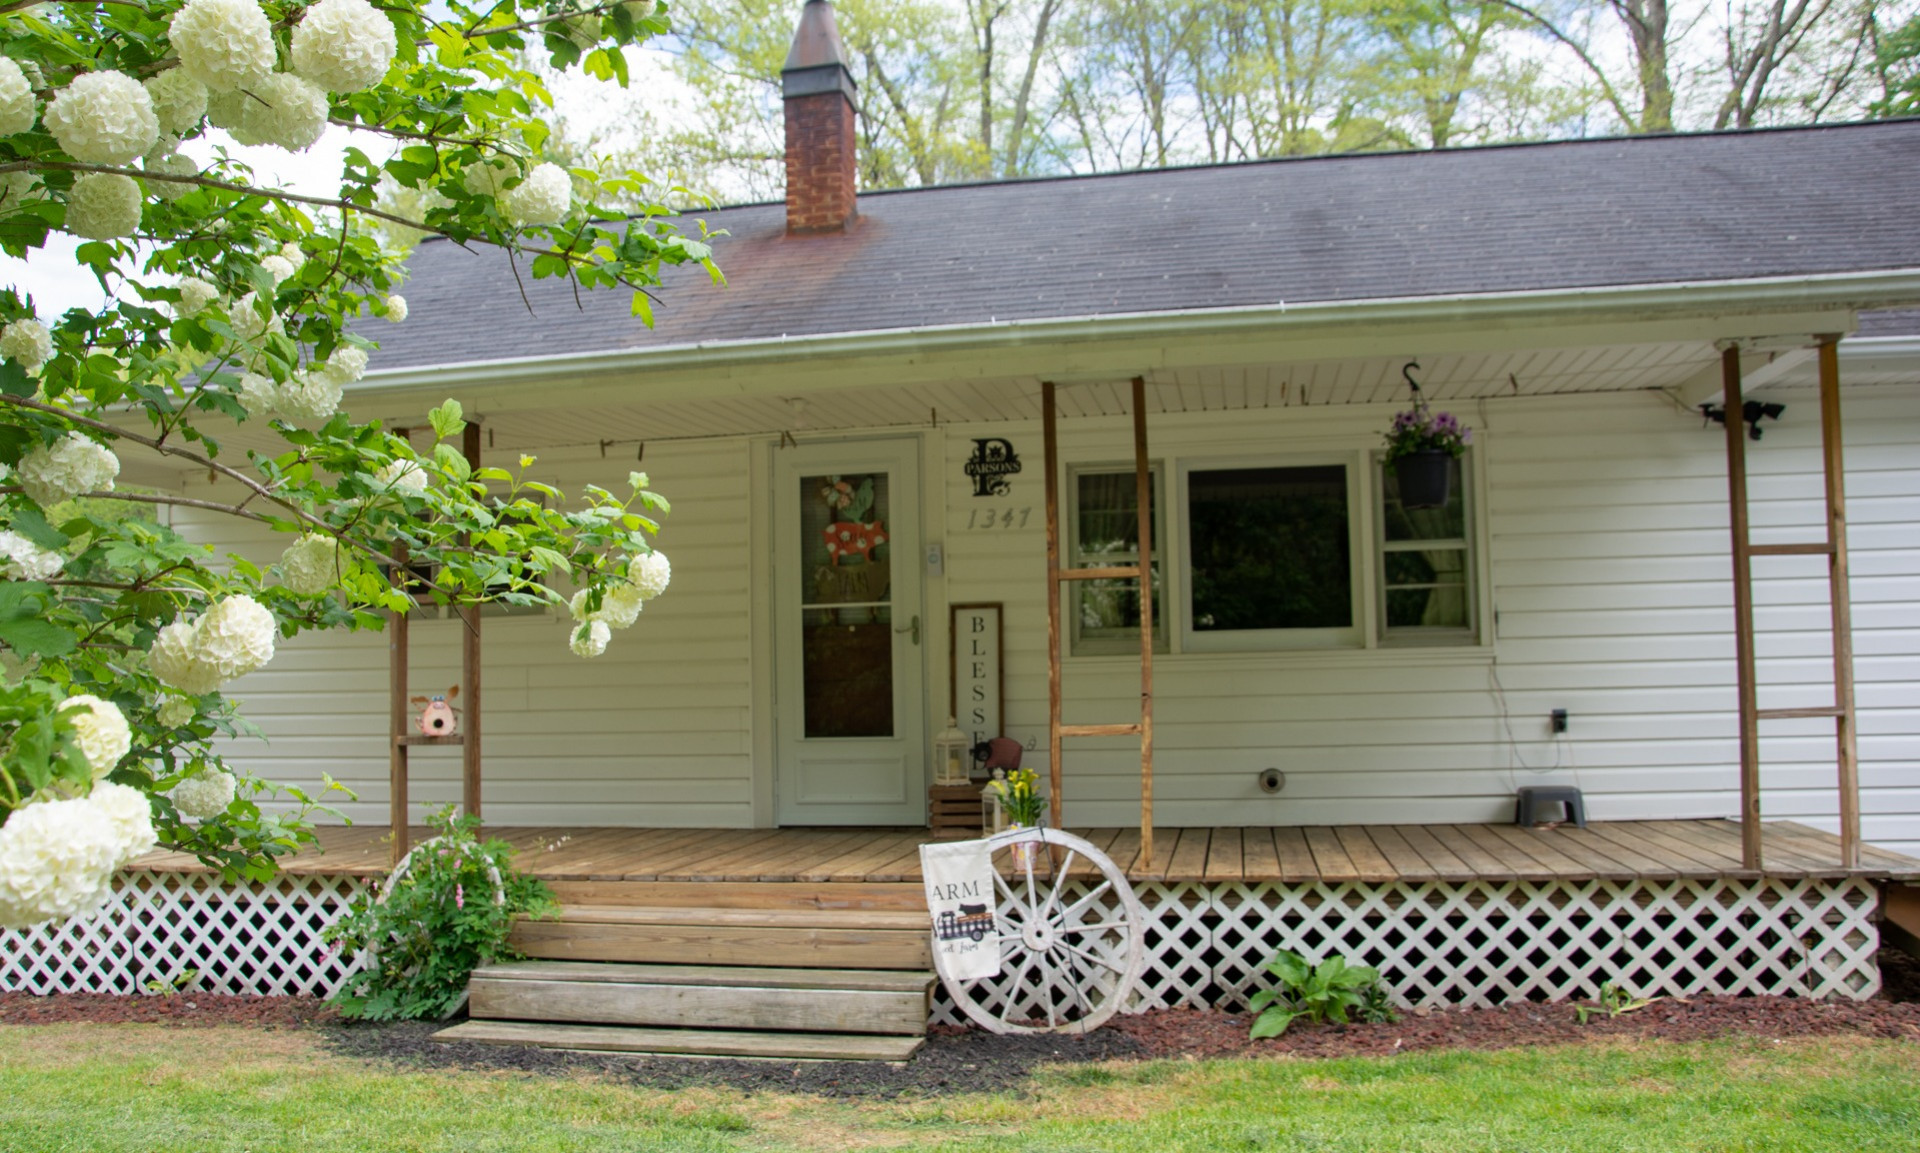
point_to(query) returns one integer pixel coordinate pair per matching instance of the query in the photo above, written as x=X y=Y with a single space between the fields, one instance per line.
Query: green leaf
x=31 y=636
x=28 y=522
x=545 y=560
x=446 y=419
x=1272 y=1023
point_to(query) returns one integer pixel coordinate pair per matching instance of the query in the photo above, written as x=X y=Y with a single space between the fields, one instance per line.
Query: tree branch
x=1607 y=90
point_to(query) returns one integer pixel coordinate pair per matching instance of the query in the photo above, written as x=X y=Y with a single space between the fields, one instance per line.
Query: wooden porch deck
x=1621 y=850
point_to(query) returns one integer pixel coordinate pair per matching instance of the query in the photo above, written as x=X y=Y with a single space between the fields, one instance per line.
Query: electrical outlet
x=1557 y=721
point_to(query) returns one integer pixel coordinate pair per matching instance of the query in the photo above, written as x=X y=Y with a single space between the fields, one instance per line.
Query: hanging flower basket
x=1425 y=479
x=1421 y=447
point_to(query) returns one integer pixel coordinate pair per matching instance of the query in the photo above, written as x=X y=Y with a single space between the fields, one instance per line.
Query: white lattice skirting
x=1490 y=942
x=241 y=939
x=1472 y=943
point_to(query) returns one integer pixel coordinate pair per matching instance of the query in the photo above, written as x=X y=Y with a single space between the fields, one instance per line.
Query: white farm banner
x=959 y=879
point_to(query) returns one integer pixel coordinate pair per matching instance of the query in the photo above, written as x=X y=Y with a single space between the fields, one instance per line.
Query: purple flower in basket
x=1419 y=430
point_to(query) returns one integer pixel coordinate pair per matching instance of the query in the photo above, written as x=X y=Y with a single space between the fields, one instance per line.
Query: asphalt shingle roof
x=1574 y=214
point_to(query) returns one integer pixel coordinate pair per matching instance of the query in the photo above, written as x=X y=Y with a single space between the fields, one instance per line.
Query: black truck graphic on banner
x=972 y=922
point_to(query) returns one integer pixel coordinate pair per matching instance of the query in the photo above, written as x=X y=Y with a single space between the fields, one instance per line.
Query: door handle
x=913 y=628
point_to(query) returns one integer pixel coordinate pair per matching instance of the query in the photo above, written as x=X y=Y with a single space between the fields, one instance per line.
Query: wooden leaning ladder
x=1834 y=548
x=1138 y=571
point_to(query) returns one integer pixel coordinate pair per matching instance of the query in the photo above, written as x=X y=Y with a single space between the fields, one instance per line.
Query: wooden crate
x=954 y=807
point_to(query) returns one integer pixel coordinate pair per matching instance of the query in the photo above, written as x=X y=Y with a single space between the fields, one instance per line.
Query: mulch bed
x=957 y=1060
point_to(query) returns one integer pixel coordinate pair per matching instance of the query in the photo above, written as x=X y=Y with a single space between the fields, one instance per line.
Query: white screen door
x=849 y=630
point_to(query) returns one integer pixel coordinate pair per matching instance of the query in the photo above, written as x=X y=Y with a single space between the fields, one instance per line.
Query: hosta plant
x=1329 y=991
x=421 y=933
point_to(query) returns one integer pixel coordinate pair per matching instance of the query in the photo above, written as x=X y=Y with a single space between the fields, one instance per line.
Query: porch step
x=687 y=1042
x=875 y=895
x=824 y=938
x=755 y=998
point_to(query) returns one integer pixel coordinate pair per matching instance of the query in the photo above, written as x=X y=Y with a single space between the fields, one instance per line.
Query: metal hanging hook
x=1406 y=373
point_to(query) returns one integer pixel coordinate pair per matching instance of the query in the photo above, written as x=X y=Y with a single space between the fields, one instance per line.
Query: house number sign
x=975 y=643
x=992 y=462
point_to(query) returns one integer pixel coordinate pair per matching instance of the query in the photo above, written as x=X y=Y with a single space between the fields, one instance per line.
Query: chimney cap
x=816 y=43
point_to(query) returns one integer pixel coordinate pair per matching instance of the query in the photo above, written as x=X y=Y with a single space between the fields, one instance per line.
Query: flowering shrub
x=1020 y=797
x=1420 y=430
x=233 y=300
x=425 y=933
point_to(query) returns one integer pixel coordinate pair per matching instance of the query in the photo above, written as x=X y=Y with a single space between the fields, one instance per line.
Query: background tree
x=234 y=301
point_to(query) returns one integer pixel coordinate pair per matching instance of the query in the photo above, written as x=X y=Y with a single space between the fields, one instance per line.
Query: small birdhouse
x=437 y=718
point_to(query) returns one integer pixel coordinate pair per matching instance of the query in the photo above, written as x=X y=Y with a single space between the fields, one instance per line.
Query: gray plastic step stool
x=1527 y=804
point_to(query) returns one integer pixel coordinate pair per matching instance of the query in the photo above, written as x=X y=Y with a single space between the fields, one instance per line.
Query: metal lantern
x=993 y=815
x=951 y=756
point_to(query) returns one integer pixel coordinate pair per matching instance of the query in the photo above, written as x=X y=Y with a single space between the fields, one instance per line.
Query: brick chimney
x=818 y=91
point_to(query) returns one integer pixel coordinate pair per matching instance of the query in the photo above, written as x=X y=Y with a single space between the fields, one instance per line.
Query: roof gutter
x=1837 y=292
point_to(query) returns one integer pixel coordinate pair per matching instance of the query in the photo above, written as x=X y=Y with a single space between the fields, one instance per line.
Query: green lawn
x=101 y=1089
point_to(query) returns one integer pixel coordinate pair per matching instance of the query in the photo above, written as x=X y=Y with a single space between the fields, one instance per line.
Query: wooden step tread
x=899 y=896
x=725 y=976
x=686 y=1042
x=756 y=918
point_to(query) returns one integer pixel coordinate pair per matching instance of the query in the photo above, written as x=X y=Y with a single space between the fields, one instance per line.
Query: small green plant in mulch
x=422 y=934
x=1613 y=1001
x=1332 y=991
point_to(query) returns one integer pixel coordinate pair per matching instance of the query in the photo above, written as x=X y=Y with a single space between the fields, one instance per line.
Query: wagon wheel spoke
x=1091 y=927
x=1093 y=957
x=1073 y=982
x=1080 y=906
x=1059 y=885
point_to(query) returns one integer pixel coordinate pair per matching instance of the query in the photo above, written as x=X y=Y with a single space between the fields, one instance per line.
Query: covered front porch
x=1370 y=854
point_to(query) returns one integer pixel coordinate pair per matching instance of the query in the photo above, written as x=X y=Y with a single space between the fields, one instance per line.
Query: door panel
x=847 y=609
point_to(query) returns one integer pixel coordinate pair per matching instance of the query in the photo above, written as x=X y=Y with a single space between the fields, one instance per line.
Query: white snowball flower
x=277 y=267
x=590 y=639
x=347 y=364
x=403 y=476
x=486 y=177
x=27 y=341
x=544 y=197
x=16 y=188
x=343 y=45
x=293 y=254
x=251 y=319
x=100 y=730
x=223 y=43
x=176 y=661
x=179 y=101
x=232 y=639
x=164 y=160
x=283 y=109
x=26 y=561
x=396 y=308
x=72 y=465
x=103 y=118
x=224 y=110
x=651 y=573
x=619 y=606
x=204 y=795
x=259 y=395
x=638 y=10
x=311 y=565
x=103 y=206
x=175 y=711
x=129 y=814
x=236 y=636
x=18 y=109
x=195 y=294
x=56 y=861
x=308 y=398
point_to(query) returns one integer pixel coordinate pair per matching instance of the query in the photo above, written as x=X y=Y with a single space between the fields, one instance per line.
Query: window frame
x=1422 y=636
x=1359 y=496
x=1078 y=644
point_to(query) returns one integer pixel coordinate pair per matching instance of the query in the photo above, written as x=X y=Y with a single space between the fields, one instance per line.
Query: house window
x=1270 y=557
x=1105 y=532
x=1426 y=565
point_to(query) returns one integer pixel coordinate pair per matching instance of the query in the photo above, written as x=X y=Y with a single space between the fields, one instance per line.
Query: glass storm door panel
x=849 y=631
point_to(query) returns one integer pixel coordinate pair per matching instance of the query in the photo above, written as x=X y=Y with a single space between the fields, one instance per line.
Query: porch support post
x=1841 y=598
x=1736 y=429
x=1143 y=506
x=470 y=668
x=396 y=729
x=1049 y=440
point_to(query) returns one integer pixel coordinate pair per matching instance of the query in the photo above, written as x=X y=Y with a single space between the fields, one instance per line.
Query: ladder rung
x=1132 y=730
x=1793 y=714
x=1817 y=549
x=1112 y=572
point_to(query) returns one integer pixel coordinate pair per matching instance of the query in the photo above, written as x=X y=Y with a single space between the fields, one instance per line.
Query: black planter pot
x=1425 y=479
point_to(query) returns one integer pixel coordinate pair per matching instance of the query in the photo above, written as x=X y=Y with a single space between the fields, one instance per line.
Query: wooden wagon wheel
x=1068 y=958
